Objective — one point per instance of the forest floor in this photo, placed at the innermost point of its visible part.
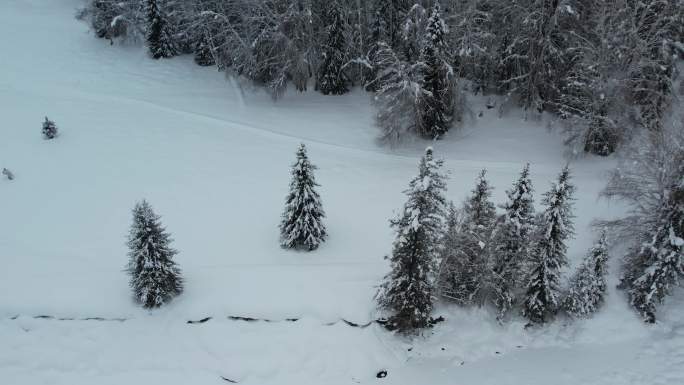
(214, 161)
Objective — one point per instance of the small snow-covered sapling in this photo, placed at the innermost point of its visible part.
(7, 173)
(49, 129)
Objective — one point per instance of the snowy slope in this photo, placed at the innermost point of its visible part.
(214, 162)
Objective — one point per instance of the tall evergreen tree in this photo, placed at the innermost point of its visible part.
(475, 34)
(331, 77)
(203, 55)
(302, 224)
(397, 96)
(540, 49)
(651, 182)
(511, 240)
(159, 38)
(479, 210)
(590, 91)
(652, 26)
(588, 284)
(155, 277)
(464, 269)
(407, 290)
(554, 228)
(436, 102)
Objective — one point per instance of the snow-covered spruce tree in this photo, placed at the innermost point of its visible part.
(49, 129)
(555, 226)
(479, 210)
(203, 55)
(330, 77)
(651, 26)
(588, 285)
(651, 181)
(112, 19)
(473, 31)
(379, 35)
(396, 99)
(589, 97)
(436, 100)
(158, 35)
(464, 268)
(407, 291)
(540, 49)
(510, 244)
(155, 277)
(8, 174)
(273, 43)
(302, 224)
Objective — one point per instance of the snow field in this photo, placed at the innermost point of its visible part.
(214, 163)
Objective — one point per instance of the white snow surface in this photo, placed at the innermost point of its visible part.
(214, 161)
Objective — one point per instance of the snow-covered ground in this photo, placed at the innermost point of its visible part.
(214, 162)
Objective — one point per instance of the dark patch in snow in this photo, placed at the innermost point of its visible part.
(381, 374)
(228, 380)
(203, 320)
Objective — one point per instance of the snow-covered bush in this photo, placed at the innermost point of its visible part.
(49, 129)
(8, 174)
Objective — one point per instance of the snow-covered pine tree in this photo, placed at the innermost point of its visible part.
(464, 267)
(436, 99)
(411, 32)
(158, 36)
(651, 181)
(8, 174)
(203, 55)
(652, 27)
(302, 224)
(379, 35)
(49, 129)
(590, 90)
(479, 210)
(397, 97)
(330, 77)
(102, 12)
(540, 49)
(547, 258)
(407, 291)
(474, 34)
(588, 284)
(511, 242)
(452, 262)
(392, 14)
(155, 277)
(112, 19)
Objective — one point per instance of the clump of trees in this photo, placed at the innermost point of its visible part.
(473, 256)
(605, 67)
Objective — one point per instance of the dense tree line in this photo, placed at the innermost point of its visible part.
(605, 67)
